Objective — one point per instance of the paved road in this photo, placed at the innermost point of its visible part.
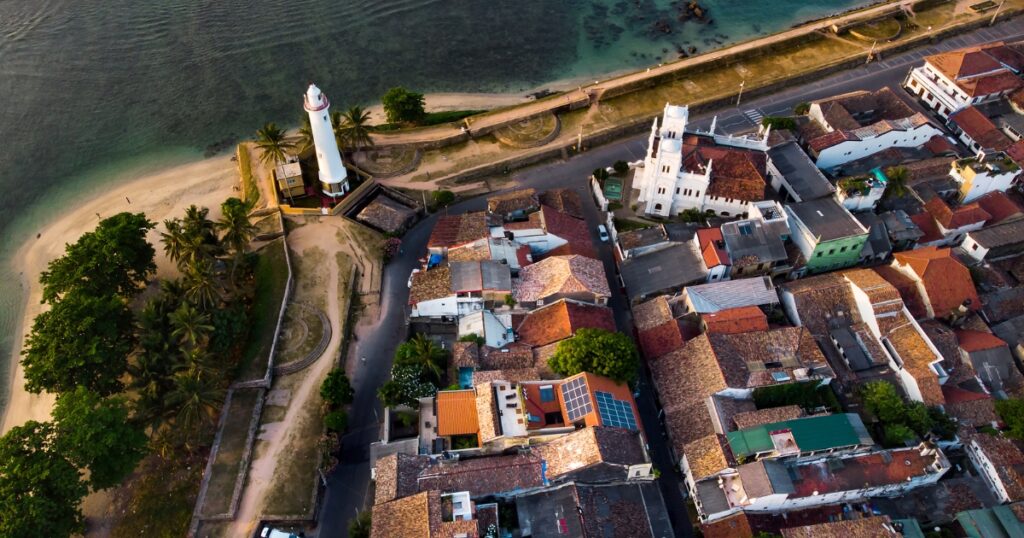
(347, 486)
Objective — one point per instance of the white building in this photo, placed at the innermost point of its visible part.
(950, 81)
(999, 462)
(333, 176)
(680, 171)
(495, 329)
(860, 193)
(983, 174)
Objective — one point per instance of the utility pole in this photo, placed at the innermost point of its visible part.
(740, 95)
(871, 52)
(996, 14)
(579, 140)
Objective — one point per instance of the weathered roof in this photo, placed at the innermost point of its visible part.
(512, 201)
(749, 360)
(650, 314)
(561, 275)
(751, 242)
(811, 434)
(865, 527)
(1007, 462)
(800, 172)
(1001, 521)
(386, 214)
(431, 284)
(735, 173)
(911, 346)
(827, 219)
(591, 446)
(416, 516)
(999, 206)
(707, 456)
(749, 419)
(643, 237)
(563, 200)
(560, 320)
(952, 219)
(667, 269)
(947, 282)
(661, 339)
(859, 108)
(480, 276)
(712, 247)
(1000, 235)
(735, 320)
(976, 125)
(723, 295)
(569, 228)
(454, 230)
(980, 70)
(820, 298)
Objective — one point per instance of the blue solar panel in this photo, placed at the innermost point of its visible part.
(577, 399)
(615, 413)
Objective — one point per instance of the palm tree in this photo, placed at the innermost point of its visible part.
(350, 128)
(273, 144)
(424, 353)
(897, 184)
(198, 363)
(173, 239)
(190, 326)
(196, 400)
(197, 222)
(238, 229)
(200, 285)
(304, 140)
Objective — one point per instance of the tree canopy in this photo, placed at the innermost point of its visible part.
(405, 387)
(422, 353)
(39, 488)
(597, 351)
(114, 258)
(900, 420)
(1012, 413)
(336, 389)
(83, 340)
(403, 106)
(94, 433)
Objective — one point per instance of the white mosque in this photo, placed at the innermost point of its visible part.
(333, 176)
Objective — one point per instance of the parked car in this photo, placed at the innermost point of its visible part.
(602, 232)
(414, 271)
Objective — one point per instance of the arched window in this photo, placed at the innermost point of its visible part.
(657, 207)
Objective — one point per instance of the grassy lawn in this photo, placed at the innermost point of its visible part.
(233, 441)
(526, 133)
(627, 225)
(296, 469)
(249, 188)
(162, 497)
(271, 279)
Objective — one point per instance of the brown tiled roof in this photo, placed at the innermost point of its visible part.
(938, 145)
(650, 314)
(736, 320)
(456, 412)
(1007, 460)
(866, 527)
(661, 339)
(591, 446)
(952, 219)
(478, 476)
(736, 174)
(767, 416)
(561, 275)
(535, 221)
(907, 288)
(999, 206)
(488, 419)
(386, 214)
(926, 223)
(570, 228)
(512, 375)
(432, 284)
(971, 341)
(564, 201)
(917, 357)
(509, 202)
(707, 456)
(465, 355)
(477, 251)
(684, 379)
(981, 129)
(819, 298)
(928, 169)
(971, 410)
(417, 516)
(884, 296)
(1016, 150)
(454, 230)
(560, 320)
(830, 139)
(947, 282)
(979, 70)
(514, 356)
(734, 526)
(746, 359)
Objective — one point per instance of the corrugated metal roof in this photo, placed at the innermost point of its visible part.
(811, 434)
(709, 298)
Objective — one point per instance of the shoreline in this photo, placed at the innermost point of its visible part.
(160, 195)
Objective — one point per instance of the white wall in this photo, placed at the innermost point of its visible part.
(973, 249)
(987, 470)
(852, 150)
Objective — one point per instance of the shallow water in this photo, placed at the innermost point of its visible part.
(93, 89)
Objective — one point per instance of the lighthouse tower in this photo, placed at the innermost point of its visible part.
(333, 176)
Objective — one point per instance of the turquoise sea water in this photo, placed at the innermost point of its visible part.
(92, 91)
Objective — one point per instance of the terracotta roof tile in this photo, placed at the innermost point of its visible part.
(563, 200)
(979, 70)
(981, 129)
(684, 379)
(734, 526)
(573, 230)
(907, 287)
(457, 412)
(432, 284)
(1016, 150)
(514, 375)
(736, 320)
(1008, 461)
(999, 206)
(867, 527)
(912, 348)
(661, 339)
(947, 282)
(707, 456)
(767, 416)
(926, 222)
(978, 340)
(969, 413)
(749, 360)
(712, 247)
(560, 320)
(830, 139)
(939, 145)
(514, 356)
(952, 219)
(512, 201)
(735, 173)
(820, 298)
(561, 275)
(591, 446)
(465, 355)
(416, 516)
(454, 230)
(652, 313)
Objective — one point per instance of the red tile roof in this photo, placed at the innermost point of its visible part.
(938, 145)
(828, 140)
(736, 320)
(860, 472)
(981, 129)
(978, 340)
(947, 282)
(1007, 461)
(1016, 151)
(907, 287)
(560, 320)
(999, 206)
(710, 240)
(453, 230)
(926, 222)
(661, 339)
(956, 395)
(952, 219)
(735, 173)
(563, 200)
(567, 227)
(980, 70)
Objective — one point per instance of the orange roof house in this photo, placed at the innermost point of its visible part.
(560, 320)
(944, 282)
(735, 320)
(456, 413)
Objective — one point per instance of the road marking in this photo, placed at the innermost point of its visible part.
(754, 115)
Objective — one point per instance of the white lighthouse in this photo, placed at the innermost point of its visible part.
(333, 176)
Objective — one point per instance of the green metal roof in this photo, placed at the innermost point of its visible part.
(810, 433)
(995, 522)
(911, 528)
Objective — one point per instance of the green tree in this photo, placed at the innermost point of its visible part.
(621, 167)
(304, 140)
(273, 144)
(897, 184)
(403, 106)
(443, 198)
(359, 526)
(174, 240)
(336, 388)
(802, 108)
(238, 230)
(83, 340)
(189, 325)
(114, 258)
(194, 401)
(882, 401)
(424, 354)
(351, 128)
(600, 174)
(896, 434)
(776, 122)
(1011, 412)
(405, 387)
(336, 421)
(597, 351)
(201, 286)
(39, 488)
(94, 433)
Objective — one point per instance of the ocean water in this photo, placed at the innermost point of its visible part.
(92, 91)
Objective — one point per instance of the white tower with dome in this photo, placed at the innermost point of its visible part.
(333, 176)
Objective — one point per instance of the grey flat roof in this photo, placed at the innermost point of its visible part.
(672, 267)
(762, 241)
(496, 276)
(827, 219)
(609, 509)
(477, 276)
(717, 296)
(712, 498)
(854, 354)
(800, 172)
(1002, 234)
(878, 237)
(899, 226)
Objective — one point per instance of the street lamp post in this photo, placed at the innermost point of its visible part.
(996, 14)
(739, 96)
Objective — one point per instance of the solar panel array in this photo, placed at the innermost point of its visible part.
(615, 413)
(577, 399)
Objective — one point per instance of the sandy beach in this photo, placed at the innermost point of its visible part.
(161, 195)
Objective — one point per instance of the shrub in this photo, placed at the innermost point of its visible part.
(597, 351)
(336, 421)
(776, 122)
(443, 198)
(621, 167)
(806, 394)
(403, 106)
(336, 388)
(802, 108)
